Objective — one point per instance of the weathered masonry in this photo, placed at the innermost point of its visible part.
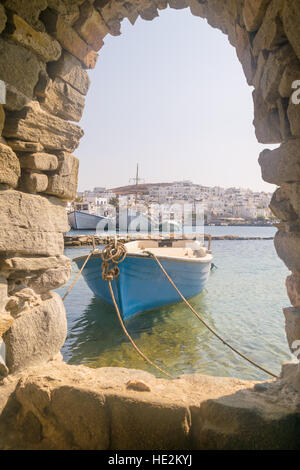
(46, 48)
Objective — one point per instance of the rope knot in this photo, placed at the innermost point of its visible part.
(112, 254)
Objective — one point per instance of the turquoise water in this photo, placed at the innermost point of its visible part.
(243, 301)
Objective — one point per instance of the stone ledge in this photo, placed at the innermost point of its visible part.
(74, 407)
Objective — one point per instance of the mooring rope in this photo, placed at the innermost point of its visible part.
(113, 254)
(206, 324)
(82, 268)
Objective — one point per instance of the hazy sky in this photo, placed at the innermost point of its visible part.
(171, 95)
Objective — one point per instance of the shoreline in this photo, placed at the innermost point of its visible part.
(86, 240)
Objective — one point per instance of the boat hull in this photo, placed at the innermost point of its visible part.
(142, 286)
(84, 221)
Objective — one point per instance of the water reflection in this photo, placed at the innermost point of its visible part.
(171, 336)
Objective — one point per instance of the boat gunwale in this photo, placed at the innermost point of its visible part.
(204, 259)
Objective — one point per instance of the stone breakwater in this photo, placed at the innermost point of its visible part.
(85, 240)
(46, 47)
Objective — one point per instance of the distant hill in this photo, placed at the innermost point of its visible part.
(140, 188)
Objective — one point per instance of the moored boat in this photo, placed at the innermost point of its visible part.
(141, 285)
(80, 220)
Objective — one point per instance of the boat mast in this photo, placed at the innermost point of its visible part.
(137, 180)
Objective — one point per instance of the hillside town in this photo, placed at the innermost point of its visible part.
(221, 206)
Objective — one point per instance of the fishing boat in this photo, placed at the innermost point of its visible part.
(80, 220)
(141, 285)
(130, 220)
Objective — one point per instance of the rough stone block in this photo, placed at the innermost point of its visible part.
(63, 100)
(132, 13)
(69, 39)
(50, 279)
(197, 9)
(243, 50)
(6, 320)
(32, 212)
(34, 182)
(91, 26)
(37, 336)
(291, 21)
(80, 415)
(67, 9)
(149, 13)
(39, 161)
(178, 4)
(290, 75)
(113, 14)
(266, 121)
(292, 325)
(9, 166)
(261, 62)
(19, 67)
(30, 11)
(31, 224)
(3, 18)
(167, 426)
(69, 69)
(33, 123)
(85, 417)
(281, 205)
(15, 100)
(287, 245)
(293, 113)
(273, 71)
(3, 293)
(22, 299)
(163, 4)
(63, 184)
(271, 34)
(245, 420)
(47, 48)
(294, 195)
(21, 146)
(15, 266)
(281, 165)
(293, 288)
(2, 118)
(253, 13)
(284, 124)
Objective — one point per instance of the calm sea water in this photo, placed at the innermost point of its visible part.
(243, 301)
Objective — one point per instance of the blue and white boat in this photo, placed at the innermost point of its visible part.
(141, 285)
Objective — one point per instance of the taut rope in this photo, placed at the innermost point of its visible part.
(204, 322)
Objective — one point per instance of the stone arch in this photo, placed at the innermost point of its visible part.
(45, 49)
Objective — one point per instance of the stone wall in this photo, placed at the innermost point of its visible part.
(46, 48)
